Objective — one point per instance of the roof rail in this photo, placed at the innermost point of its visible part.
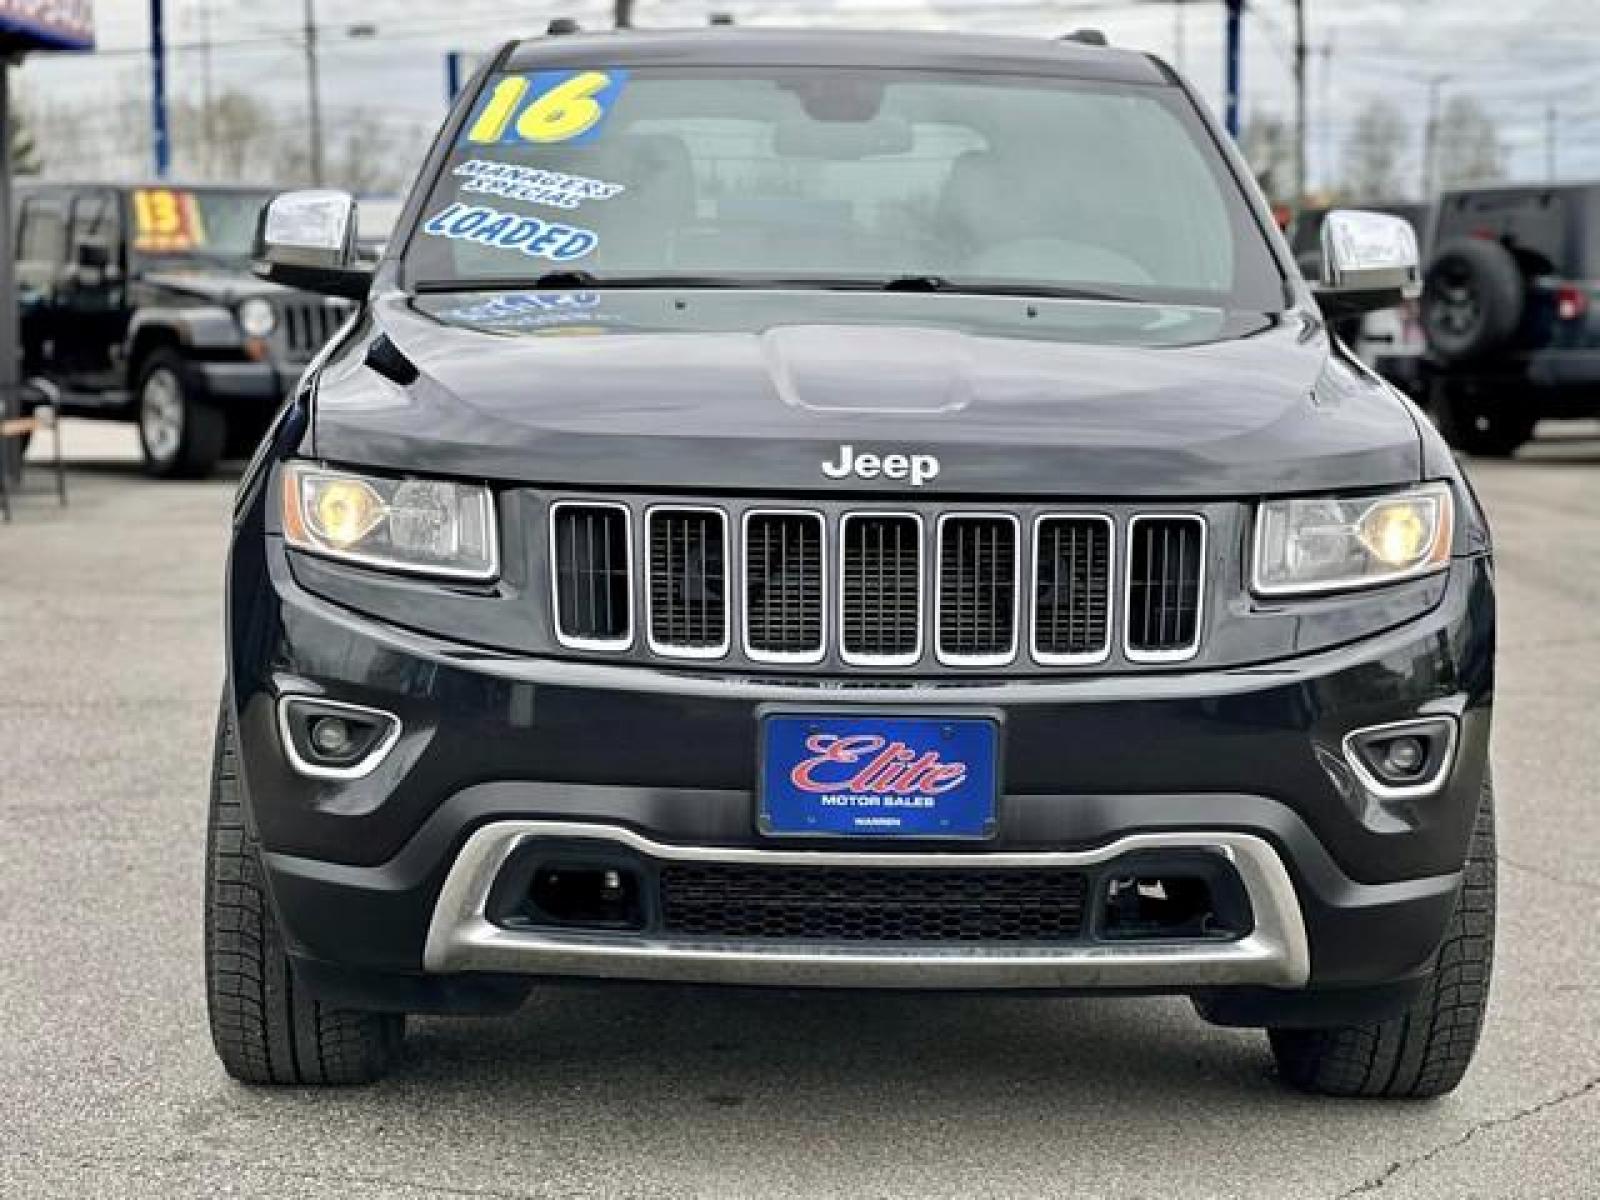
(561, 26)
(1088, 37)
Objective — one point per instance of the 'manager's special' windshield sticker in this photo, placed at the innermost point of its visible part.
(507, 231)
(544, 108)
(511, 181)
(166, 221)
(530, 311)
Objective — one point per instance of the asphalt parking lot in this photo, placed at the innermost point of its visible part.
(110, 664)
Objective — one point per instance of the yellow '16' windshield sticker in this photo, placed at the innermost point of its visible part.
(545, 108)
(166, 221)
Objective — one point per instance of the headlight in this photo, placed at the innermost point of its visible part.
(258, 318)
(1325, 543)
(423, 526)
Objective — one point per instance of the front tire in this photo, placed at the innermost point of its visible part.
(182, 436)
(1425, 1051)
(265, 1025)
(1475, 426)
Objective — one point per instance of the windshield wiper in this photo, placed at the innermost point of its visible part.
(574, 279)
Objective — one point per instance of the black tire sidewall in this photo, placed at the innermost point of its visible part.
(201, 438)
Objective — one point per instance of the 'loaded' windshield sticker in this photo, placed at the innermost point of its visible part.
(508, 231)
(532, 185)
(545, 108)
(166, 221)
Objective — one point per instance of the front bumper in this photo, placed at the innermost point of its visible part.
(383, 878)
(255, 383)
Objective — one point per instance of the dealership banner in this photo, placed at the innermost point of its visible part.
(47, 24)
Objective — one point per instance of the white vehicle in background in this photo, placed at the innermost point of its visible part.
(376, 219)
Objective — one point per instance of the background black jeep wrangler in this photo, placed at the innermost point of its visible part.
(1511, 309)
(138, 302)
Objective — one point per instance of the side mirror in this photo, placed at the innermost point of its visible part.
(307, 240)
(1369, 262)
(93, 256)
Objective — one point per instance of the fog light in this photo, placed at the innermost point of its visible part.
(1405, 756)
(327, 739)
(1405, 760)
(331, 736)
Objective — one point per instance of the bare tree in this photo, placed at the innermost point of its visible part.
(24, 149)
(1467, 144)
(1374, 153)
(231, 138)
(1267, 144)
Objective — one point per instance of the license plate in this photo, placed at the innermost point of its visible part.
(863, 776)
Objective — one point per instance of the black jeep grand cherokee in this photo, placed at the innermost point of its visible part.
(860, 512)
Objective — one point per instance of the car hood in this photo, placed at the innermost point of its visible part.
(212, 287)
(753, 391)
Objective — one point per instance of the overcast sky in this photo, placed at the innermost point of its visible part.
(1522, 58)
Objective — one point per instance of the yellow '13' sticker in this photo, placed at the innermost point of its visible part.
(166, 221)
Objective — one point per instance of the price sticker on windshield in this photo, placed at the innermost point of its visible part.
(545, 108)
(166, 221)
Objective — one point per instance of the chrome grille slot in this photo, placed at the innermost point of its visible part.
(784, 605)
(880, 589)
(590, 546)
(977, 597)
(688, 582)
(1073, 565)
(305, 325)
(1166, 562)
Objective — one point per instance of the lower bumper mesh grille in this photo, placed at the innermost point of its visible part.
(873, 905)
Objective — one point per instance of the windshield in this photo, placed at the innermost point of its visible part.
(728, 175)
(178, 223)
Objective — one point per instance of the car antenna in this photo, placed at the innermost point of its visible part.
(1088, 37)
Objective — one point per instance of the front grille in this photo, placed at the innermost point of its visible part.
(783, 586)
(977, 597)
(590, 548)
(1165, 560)
(1072, 589)
(862, 904)
(305, 325)
(688, 582)
(825, 588)
(881, 589)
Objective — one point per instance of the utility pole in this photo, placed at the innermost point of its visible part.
(1300, 102)
(1231, 69)
(159, 139)
(1177, 34)
(623, 13)
(313, 92)
(207, 117)
(1430, 135)
(1550, 120)
(1325, 107)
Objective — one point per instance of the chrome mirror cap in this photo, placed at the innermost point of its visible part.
(1369, 252)
(311, 229)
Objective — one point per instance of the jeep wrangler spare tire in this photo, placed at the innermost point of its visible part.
(1472, 299)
